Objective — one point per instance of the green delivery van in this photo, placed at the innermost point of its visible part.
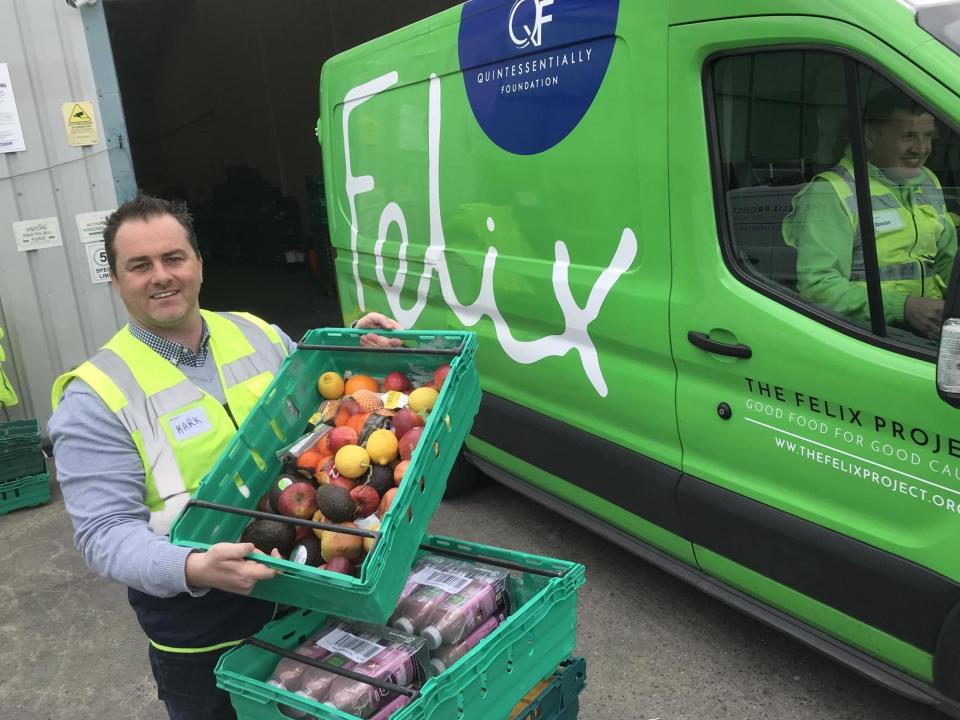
(708, 249)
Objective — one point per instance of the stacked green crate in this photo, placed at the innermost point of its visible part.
(23, 478)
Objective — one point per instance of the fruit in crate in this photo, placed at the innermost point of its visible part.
(341, 437)
(307, 551)
(422, 399)
(367, 500)
(308, 460)
(356, 423)
(377, 420)
(382, 446)
(330, 385)
(263, 504)
(352, 461)
(399, 470)
(386, 502)
(346, 408)
(368, 542)
(439, 375)
(283, 481)
(343, 481)
(367, 400)
(381, 478)
(304, 532)
(297, 500)
(340, 564)
(408, 443)
(361, 382)
(319, 517)
(335, 503)
(269, 534)
(334, 544)
(405, 419)
(397, 381)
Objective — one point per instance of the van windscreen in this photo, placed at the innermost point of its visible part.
(943, 22)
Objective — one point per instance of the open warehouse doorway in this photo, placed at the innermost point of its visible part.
(221, 99)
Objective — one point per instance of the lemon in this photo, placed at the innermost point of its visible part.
(330, 385)
(422, 399)
(352, 461)
(382, 446)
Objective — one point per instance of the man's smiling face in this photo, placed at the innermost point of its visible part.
(158, 274)
(901, 145)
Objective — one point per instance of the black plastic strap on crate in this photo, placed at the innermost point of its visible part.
(260, 515)
(359, 677)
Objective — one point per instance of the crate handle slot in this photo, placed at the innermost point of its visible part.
(360, 677)
(395, 350)
(506, 564)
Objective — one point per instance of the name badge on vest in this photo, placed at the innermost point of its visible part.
(189, 424)
(885, 221)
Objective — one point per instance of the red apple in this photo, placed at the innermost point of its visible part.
(303, 532)
(344, 482)
(397, 381)
(298, 500)
(341, 436)
(404, 420)
(367, 500)
(387, 501)
(399, 470)
(439, 375)
(409, 442)
(283, 481)
(339, 564)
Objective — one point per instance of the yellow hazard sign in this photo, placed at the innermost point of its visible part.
(80, 123)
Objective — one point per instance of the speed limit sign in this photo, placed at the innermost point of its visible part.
(97, 257)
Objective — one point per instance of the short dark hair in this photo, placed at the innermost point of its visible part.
(144, 207)
(881, 107)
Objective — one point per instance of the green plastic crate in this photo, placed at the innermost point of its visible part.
(24, 492)
(249, 464)
(14, 468)
(560, 699)
(485, 684)
(20, 453)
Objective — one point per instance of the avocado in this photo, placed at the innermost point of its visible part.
(381, 479)
(269, 534)
(307, 552)
(335, 503)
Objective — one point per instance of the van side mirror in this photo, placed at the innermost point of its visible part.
(948, 362)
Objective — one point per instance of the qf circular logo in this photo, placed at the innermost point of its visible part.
(528, 35)
(531, 68)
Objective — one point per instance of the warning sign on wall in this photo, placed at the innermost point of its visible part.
(97, 257)
(80, 123)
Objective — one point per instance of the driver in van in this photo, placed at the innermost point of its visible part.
(915, 237)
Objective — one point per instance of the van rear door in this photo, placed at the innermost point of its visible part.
(821, 471)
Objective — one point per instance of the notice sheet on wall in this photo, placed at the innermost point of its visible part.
(11, 134)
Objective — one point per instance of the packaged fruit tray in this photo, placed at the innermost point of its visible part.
(485, 684)
(252, 470)
(24, 492)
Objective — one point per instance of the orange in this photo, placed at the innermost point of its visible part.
(357, 420)
(361, 382)
(323, 444)
(308, 460)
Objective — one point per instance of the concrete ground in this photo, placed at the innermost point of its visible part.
(70, 647)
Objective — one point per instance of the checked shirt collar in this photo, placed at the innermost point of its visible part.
(173, 352)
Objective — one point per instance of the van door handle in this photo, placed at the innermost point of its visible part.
(703, 341)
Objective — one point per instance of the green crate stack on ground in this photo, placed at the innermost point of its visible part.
(23, 478)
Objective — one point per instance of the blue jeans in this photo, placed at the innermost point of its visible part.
(187, 686)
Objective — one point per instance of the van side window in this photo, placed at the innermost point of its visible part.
(788, 181)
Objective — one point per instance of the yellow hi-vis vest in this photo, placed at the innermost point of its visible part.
(7, 396)
(178, 429)
(906, 237)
